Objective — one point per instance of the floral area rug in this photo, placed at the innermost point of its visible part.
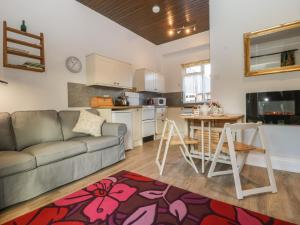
(130, 199)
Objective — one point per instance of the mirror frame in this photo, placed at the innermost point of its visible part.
(247, 53)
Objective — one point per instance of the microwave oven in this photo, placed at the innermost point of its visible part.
(159, 101)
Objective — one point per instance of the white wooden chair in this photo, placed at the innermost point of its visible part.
(231, 147)
(171, 136)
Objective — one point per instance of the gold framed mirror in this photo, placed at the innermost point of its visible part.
(273, 50)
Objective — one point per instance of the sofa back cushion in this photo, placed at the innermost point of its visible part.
(68, 121)
(7, 142)
(35, 127)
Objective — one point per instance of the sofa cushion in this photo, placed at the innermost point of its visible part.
(68, 121)
(98, 143)
(12, 162)
(89, 123)
(35, 127)
(50, 152)
(6, 133)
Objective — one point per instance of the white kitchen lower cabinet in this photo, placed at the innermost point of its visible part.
(140, 122)
(137, 127)
(133, 120)
(126, 117)
(160, 116)
(159, 128)
(148, 128)
(148, 122)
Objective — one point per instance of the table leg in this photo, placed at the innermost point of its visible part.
(202, 145)
(188, 127)
(209, 140)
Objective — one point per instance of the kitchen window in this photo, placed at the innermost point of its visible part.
(196, 82)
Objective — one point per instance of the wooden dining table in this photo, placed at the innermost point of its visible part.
(207, 123)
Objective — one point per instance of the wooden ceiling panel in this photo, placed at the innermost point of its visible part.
(137, 16)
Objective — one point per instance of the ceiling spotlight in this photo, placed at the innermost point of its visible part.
(183, 29)
(156, 9)
(171, 32)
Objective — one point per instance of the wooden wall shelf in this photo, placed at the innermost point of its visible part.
(7, 51)
(12, 40)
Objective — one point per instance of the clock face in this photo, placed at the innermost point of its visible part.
(73, 64)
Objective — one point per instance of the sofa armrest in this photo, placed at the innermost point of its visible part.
(114, 129)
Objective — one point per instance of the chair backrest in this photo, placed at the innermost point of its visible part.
(243, 126)
(234, 132)
(170, 126)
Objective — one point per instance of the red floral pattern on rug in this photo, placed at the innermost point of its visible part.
(131, 199)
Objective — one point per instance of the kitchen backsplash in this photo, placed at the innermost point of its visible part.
(145, 95)
(174, 99)
(79, 94)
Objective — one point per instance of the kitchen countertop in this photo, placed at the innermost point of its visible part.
(119, 107)
(128, 107)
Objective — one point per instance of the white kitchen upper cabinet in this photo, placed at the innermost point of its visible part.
(160, 83)
(147, 80)
(105, 71)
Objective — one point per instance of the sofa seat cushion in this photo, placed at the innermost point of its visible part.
(98, 143)
(50, 152)
(12, 162)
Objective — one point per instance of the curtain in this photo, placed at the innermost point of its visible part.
(196, 82)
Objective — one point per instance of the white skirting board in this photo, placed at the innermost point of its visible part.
(278, 162)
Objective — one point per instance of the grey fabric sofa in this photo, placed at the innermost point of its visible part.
(39, 152)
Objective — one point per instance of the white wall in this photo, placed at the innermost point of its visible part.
(175, 53)
(70, 29)
(228, 21)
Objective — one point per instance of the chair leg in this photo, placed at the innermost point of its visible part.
(211, 172)
(270, 172)
(161, 141)
(235, 169)
(162, 165)
(185, 152)
(268, 160)
(243, 161)
(203, 161)
(187, 156)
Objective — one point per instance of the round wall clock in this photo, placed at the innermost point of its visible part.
(73, 64)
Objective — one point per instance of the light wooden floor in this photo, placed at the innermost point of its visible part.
(283, 205)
